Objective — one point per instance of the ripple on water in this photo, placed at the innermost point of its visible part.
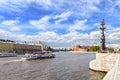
(66, 66)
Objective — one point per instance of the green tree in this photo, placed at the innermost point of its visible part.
(111, 49)
(49, 48)
(70, 49)
(95, 48)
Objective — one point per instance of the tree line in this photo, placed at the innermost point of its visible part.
(3, 40)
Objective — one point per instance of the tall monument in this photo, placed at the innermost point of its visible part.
(102, 28)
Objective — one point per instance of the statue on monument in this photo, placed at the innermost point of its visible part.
(102, 28)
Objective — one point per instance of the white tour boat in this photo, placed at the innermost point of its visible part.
(38, 55)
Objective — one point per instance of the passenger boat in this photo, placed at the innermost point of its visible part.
(38, 55)
(7, 54)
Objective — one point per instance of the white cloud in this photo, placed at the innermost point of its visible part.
(41, 23)
(79, 25)
(62, 17)
(60, 20)
(116, 46)
(13, 5)
(4, 34)
(70, 39)
(80, 7)
(65, 40)
(20, 5)
(96, 24)
(10, 22)
(13, 36)
(48, 36)
(15, 28)
(44, 3)
(114, 34)
(37, 24)
(95, 35)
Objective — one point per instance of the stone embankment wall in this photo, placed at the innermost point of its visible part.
(103, 62)
(19, 47)
(114, 73)
(109, 63)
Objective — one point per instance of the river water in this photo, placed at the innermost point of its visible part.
(66, 66)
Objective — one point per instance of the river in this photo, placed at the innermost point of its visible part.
(66, 66)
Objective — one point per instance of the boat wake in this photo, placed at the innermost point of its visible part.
(9, 61)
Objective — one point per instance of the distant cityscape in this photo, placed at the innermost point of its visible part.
(93, 49)
(21, 48)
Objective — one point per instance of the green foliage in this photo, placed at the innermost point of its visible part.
(111, 49)
(95, 48)
(70, 49)
(49, 48)
(2, 40)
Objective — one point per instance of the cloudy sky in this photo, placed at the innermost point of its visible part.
(60, 23)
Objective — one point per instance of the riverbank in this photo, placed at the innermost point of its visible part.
(106, 63)
(82, 52)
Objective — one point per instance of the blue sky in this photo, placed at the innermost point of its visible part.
(60, 23)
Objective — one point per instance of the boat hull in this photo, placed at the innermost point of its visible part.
(43, 57)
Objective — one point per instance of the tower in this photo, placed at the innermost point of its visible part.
(102, 28)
